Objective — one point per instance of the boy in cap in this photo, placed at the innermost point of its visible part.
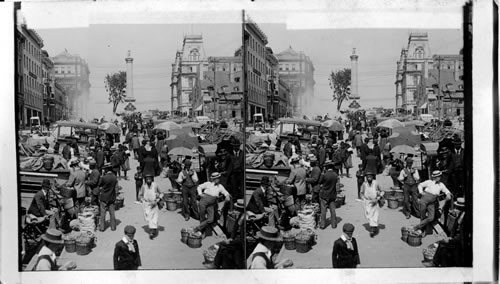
(126, 255)
(345, 249)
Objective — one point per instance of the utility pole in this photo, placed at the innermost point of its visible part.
(215, 92)
(245, 83)
(439, 88)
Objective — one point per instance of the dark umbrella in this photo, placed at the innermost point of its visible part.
(110, 128)
(405, 136)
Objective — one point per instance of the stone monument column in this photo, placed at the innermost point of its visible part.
(354, 75)
(130, 78)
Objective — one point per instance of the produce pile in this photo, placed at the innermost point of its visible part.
(210, 253)
(430, 251)
(305, 219)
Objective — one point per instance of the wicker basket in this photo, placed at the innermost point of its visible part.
(302, 246)
(340, 200)
(171, 204)
(82, 248)
(392, 202)
(414, 239)
(119, 203)
(70, 246)
(194, 240)
(289, 242)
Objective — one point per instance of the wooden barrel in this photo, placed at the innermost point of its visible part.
(340, 200)
(414, 239)
(194, 240)
(171, 204)
(404, 234)
(184, 235)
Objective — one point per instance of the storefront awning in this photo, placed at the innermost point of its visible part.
(431, 97)
(424, 106)
(199, 108)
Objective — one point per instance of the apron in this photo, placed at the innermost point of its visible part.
(149, 205)
(371, 210)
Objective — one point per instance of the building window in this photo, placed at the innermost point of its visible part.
(419, 53)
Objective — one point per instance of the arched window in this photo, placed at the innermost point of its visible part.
(419, 53)
(194, 55)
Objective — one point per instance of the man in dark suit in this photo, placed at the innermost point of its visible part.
(363, 151)
(313, 179)
(99, 158)
(107, 198)
(321, 155)
(238, 160)
(458, 171)
(345, 249)
(93, 182)
(259, 204)
(40, 206)
(327, 195)
(126, 255)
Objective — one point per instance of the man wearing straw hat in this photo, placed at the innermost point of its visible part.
(264, 254)
(208, 193)
(52, 246)
(430, 190)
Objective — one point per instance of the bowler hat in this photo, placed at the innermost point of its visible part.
(265, 180)
(409, 160)
(129, 229)
(370, 173)
(187, 163)
(74, 163)
(436, 173)
(53, 236)
(457, 140)
(269, 233)
(348, 228)
(215, 175)
(46, 183)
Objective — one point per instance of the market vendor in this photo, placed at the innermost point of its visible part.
(259, 204)
(430, 190)
(208, 193)
(52, 246)
(77, 180)
(265, 253)
(188, 179)
(298, 178)
(40, 206)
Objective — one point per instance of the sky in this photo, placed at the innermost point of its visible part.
(153, 47)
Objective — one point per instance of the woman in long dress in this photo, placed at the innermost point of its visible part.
(149, 196)
(371, 192)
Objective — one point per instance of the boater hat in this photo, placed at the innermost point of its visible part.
(460, 203)
(240, 204)
(53, 236)
(270, 234)
(436, 174)
(215, 175)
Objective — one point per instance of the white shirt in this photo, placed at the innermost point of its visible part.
(212, 189)
(432, 187)
(259, 262)
(347, 241)
(44, 265)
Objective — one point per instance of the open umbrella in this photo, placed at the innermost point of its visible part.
(182, 139)
(415, 123)
(391, 123)
(110, 128)
(181, 151)
(168, 125)
(333, 125)
(404, 149)
(405, 136)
